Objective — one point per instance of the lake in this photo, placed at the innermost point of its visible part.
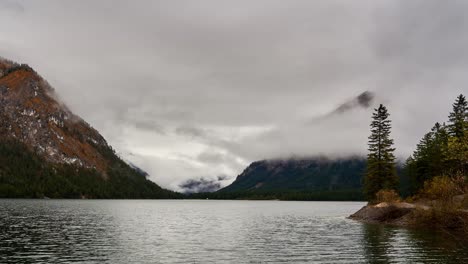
(206, 231)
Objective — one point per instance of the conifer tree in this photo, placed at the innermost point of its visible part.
(458, 142)
(381, 172)
(458, 118)
(430, 156)
(439, 149)
(410, 172)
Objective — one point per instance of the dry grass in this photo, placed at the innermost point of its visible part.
(442, 188)
(387, 196)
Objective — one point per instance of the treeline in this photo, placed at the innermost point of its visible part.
(284, 195)
(24, 174)
(17, 67)
(435, 174)
(442, 152)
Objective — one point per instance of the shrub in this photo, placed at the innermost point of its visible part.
(442, 188)
(388, 196)
(411, 199)
(444, 211)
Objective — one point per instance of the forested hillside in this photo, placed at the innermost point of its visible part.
(297, 179)
(300, 174)
(24, 174)
(47, 151)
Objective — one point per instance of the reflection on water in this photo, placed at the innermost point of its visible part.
(376, 242)
(384, 244)
(65, 231)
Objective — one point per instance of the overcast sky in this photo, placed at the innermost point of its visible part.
(199, 89)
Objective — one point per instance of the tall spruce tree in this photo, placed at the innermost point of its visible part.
(381, 171)
(458, 118)
(458, 142)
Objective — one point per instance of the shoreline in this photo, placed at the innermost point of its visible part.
(409, 215)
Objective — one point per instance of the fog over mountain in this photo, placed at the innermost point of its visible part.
(190, 90)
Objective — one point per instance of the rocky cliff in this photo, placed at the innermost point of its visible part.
(31, 113)
(34, 122)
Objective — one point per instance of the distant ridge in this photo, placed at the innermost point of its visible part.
(314, 174)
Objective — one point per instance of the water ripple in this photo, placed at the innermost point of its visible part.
(70, 231)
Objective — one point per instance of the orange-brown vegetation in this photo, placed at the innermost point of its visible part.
(66, 133)
(444, 197)
(387, 196)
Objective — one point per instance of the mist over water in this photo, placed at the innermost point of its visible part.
(113, 231)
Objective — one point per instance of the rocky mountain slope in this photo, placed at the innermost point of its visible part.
(35, 126)
(31, 114)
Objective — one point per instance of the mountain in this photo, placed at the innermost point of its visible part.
(319, 174)
(298, 179)
(47, 151)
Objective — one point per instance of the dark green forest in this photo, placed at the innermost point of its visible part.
(301, 175)
(284, 195)
(297, 179)
(23, 174)
(443, 151)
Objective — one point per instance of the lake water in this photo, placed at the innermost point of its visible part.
(192, 231)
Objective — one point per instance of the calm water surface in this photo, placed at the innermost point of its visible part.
(191, 231)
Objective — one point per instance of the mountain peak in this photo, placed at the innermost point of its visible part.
(31, 113)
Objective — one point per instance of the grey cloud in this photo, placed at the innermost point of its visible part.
(151, 126)
(212, 157)
(11, 5)
(199, 89)
(223, 177)
(190, 131)
(426, 35)
(200, 185)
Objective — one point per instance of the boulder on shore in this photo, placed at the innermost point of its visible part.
(453, 219)
(387, 213)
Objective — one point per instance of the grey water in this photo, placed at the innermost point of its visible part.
(199, 231)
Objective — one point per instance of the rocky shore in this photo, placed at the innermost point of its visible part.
(387, 213)
(407, 215)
